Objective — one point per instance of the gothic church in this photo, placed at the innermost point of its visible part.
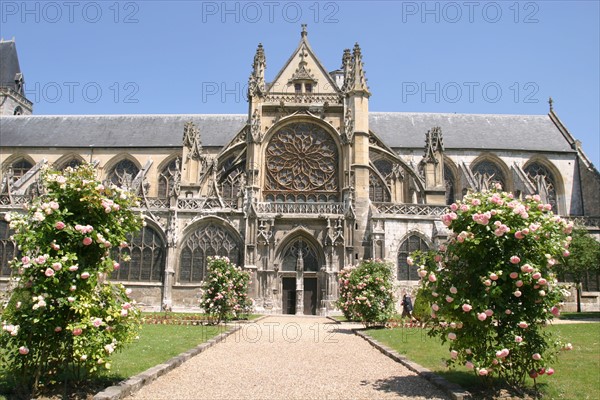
(309, 181)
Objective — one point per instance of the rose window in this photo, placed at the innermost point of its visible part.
(301, 158)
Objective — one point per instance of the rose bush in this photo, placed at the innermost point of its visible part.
(63, 317)
(492, 287)
(225, 291)
(366, 292)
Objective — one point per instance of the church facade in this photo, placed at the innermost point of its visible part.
(307, 182)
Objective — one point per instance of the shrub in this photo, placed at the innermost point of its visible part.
(492, 288)
(63, 317)
(366, 292)
(422, 307)
(225, 291)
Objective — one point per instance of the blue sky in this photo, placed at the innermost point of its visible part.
(176, 57)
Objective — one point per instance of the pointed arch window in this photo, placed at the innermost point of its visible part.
(405, 271)
(8, 249)
(20, 168)
(300, 249)
(378, 191)
(73, 162)
(123, 173)
(206, 241)
(450, 184)
(167, 179)
(544, 182)
(147, 251)
(488, 174)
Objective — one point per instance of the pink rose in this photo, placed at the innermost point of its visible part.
(49, 272)
(85, 275)
(523, 324)
(432, 277)
(483, 372)
(536, 356)
(435, 307)
(469, 365)
(542, 281)
(77, 331)
(449, 299)
(56, 266)
(550, 371)
(87, 241)
(487, 282)
(517, 293)
(23, 350)
(454, 354)
(533, 374)
(467, 307)
(566, 253)
(60, 225)
(515, 260)
(489, 312)
(518, 339)
(73, 268)
(71, 299)
(116, 266)
(493, 277)
(453, 290)
(422, 273)
(57, 329)
(555, 311)
(536, 275)
(508, 312)
(514, 275)
(482, 316)
(519, 283)
(519, 235)
(452, 336)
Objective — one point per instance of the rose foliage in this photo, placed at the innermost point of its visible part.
(366, 292)
(225, 291)
(63, 317)
(493, 287)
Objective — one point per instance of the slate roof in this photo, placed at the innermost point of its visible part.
(470, 131)
(115, 130)
(9, 64)
(397, 130)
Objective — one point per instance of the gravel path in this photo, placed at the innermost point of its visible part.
(284, 357)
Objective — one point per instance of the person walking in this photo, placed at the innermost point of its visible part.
(407, 306)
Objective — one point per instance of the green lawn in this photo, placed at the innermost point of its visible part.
(156, 344)
(577, 372)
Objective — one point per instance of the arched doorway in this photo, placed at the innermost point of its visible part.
(300, 284)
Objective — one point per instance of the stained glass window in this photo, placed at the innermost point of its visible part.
(487, 174)
(544, 182)
(166, 179)
(206, 241)
(147, 251)
(301, 158)
(123, 173)
(405, 271)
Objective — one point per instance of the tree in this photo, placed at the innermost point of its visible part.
(584, 258)
(492, 287)
(64, 318)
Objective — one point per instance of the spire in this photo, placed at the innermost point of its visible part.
(358, 81)
(434, 143)
(551, 104)
(304, 33)
(347, 69)
(256, 83)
